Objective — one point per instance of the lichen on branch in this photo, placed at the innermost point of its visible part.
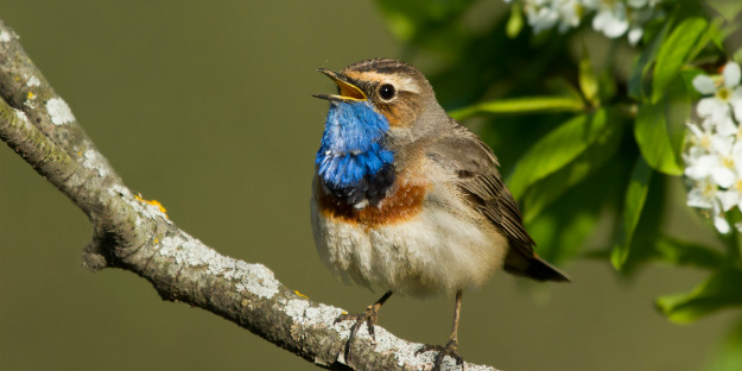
(134, 234)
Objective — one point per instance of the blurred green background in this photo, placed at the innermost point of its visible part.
(207, 108)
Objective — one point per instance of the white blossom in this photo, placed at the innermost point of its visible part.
(706, 195)
(541, 14)
(611, 19)
(545, 14)
(727, 94)
(614, 18)
(713, 156)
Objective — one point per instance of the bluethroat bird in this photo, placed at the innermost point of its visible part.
(407, 200)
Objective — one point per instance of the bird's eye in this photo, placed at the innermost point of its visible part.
(386, 92)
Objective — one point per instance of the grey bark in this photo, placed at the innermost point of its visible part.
(136, 235)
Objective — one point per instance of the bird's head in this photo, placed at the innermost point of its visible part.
(394, 89)
(381, 106)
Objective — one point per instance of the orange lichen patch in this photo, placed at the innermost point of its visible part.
(402, 205)
(152, 202)
(300, 294)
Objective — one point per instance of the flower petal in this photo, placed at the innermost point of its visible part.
(612, 22)
(704, 84)
(721, 224)
(723, 176)
(725, 126)
(590, 4)
(702, 167)
(696, 199)
(731, 74)
(616, 27)
(694, 153)
(543, 19)
(694, 128)
(635, 34)
(737, 156)
(728, 199)
(736, 102)
(600, 20)
(722, 145)
(708, 124)
(712, 107)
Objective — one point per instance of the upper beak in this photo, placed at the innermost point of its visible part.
(348, 91)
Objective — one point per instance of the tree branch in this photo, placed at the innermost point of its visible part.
(136, 235)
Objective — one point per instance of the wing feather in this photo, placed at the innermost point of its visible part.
(476, 174)
(474, 168)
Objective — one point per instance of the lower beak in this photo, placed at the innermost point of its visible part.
(348, 91)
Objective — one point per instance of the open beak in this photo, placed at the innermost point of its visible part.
(348, 91)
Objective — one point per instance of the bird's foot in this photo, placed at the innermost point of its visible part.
(451, 349)
(368, 317)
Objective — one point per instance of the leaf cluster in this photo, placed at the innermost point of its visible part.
(590, 130)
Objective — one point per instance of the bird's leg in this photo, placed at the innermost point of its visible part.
(369, 317)
(451, 348)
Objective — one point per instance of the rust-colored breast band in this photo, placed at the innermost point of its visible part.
(405, 203)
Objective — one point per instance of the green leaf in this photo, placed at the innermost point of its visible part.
(678, 106)
(560, 235)
(643, 62)
(527, 105)
(515, 22)
(682, 253)
(563, 227)
(710, 34)
(560, 86)
(652, 135)
(673, 53)
(588, 81)
(636, 195)
(608, 86)
(557, 149)
(719, 291)
(547, 190)
(647, 231)
(729, 357)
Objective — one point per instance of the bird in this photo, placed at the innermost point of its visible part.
(407, 200)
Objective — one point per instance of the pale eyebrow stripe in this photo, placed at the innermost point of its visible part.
(402, 83)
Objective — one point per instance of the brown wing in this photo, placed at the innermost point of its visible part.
(476, 174)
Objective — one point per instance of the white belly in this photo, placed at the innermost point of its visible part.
(434, 252)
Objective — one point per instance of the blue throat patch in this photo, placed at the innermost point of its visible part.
(353, 160)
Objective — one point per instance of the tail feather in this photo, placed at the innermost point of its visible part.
(533, 267)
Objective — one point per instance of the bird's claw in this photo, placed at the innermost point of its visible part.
(369, 318)
(451, 349)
